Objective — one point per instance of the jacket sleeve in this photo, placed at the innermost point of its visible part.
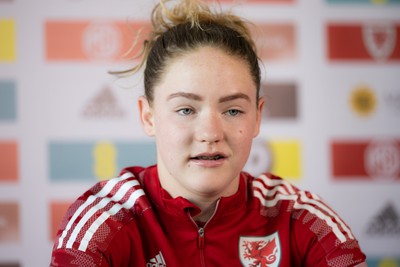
(322, 238)
(68, 249)
(75, 258)
(99, 228)
(124, 249)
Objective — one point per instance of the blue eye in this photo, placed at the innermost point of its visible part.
(234, 112)
(185, 111)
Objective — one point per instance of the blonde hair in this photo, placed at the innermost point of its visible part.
(185, 26)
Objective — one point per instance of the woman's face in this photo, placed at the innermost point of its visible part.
(204, 116)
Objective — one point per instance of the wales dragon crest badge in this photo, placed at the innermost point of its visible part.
(262, 251)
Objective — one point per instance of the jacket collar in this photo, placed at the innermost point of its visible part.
(179, 207)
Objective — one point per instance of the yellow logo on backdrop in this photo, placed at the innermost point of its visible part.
(286, 159)
(388, 263)
(363, 100)
(379, 2)
(7, 43)
(105, 160)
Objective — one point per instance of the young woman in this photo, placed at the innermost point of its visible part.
(196, 207)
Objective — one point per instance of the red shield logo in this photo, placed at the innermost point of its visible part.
(260, 251)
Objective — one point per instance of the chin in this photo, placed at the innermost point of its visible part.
(209, 192)
(210, 187)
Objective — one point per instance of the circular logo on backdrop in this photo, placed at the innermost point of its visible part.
(363, 100)
(102, 40)
(382, 159)
(259, 159)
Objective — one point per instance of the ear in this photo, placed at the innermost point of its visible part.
(146, 116)
(261, 102)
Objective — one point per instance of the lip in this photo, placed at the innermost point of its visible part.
(199, 159)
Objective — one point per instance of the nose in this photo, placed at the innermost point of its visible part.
(209, 128)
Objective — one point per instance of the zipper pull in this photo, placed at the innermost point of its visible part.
(201, 237)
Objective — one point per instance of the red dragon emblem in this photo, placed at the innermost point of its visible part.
(260, 252)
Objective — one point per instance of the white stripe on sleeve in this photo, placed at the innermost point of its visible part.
(117, 197)
(308, 207)
(103, 192)
(105, 215)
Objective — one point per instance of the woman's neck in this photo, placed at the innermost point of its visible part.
(207, 210)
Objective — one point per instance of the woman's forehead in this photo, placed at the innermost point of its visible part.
(207, 65)
(207, 73)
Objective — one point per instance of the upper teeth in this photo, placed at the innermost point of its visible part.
(210, 157)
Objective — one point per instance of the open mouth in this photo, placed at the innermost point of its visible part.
(209, 160)
(208, 157)
(211, 157)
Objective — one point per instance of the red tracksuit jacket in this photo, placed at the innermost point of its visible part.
(132, 221)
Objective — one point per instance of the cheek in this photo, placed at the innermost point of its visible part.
(243, 138)
(171, 136)
(245, 129)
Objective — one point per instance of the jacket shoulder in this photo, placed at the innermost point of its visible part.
(274, 192)
(99, 214)
(314, 221)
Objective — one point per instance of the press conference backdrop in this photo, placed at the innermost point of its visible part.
(331, 79)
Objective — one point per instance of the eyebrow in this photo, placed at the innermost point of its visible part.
(185, 95)
(235, 96)
(199, 98)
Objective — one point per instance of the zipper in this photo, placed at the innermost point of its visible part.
(201, 235)
(201, 246)
(200, 241)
